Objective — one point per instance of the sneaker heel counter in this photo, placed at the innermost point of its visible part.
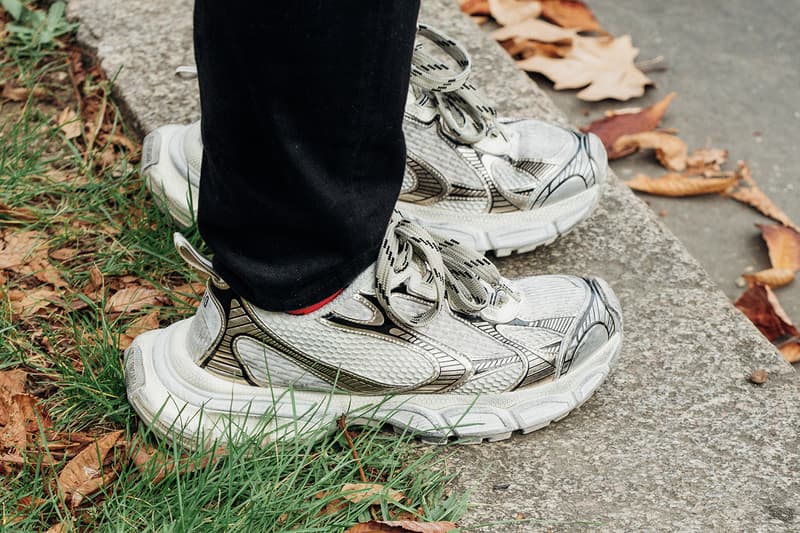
(207, 326)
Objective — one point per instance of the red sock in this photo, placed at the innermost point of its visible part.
(313, 307)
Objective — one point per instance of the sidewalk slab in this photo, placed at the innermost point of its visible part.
(677, 438)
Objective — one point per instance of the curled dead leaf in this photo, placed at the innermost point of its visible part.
(704, 159)
(609, 129)
(748, 192)
(63, 254)
(678, 185)
(508, 12)
(604, 66)
(570, 14)
(671, 151)
(85, 473)
(773, 277)
(402, 526)
(761, 306)
(783, 244)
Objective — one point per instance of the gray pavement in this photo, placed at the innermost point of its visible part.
(676, 438)
(735, 65)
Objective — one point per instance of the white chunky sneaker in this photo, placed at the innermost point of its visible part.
(429, 339)
(494, 184)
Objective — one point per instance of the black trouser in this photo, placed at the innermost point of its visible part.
(302, 108)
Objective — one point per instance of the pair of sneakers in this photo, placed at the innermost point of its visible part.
(430, 338)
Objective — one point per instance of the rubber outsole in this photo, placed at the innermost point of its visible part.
(183, 402)
(503, 234)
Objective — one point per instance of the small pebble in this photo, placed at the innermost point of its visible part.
(662, 213)
(741, 282)
(501, 486)
(759, 377)
(519, 516)
(749, 269)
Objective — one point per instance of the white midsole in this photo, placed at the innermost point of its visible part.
(502, 233)
(181, 400)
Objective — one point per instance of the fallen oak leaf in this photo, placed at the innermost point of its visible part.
(762, 307)
(671, 151)
(677, 185)
(79, 477)
(748, 192)
(509, 12)
(609, 129)
(773, 277)
(535, 30)
(374, 492)
(783, 246)
(604, 66)
(402, 526)
(570, 14)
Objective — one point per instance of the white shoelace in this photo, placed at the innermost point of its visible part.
(466, 115)
(465, 279)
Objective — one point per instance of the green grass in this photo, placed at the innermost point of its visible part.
(80, 199)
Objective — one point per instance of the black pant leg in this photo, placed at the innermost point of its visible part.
(302, 108)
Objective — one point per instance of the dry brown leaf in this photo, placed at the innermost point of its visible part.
(671, 151)
(133, 298)
(61, 527)
(17, 213)
(137, 327)
(15, 94)
(603, 65)
(95, 280)
(374, 492)
(791, 351)
(402, 526)
(535, 30)
(63, 254)
(189, 293)
(570, 14)
(678, 185)
(774, 277)
(28, 303)
(609, 129)
(69, 123)
(23, 417)
(748, 192)
(509, 12)
(19, 247)
(761, 306)
(475, 7)
(80, 476)
(706, 158)
(783, 244)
